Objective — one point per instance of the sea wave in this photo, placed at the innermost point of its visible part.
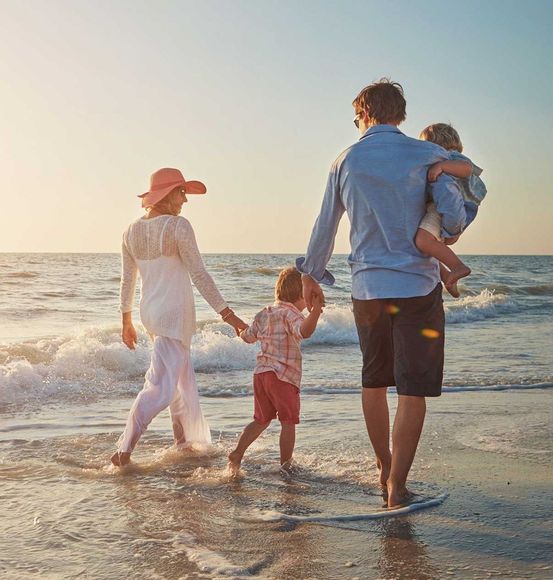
(529, 290)
(487, 304)
(95, 361)
(23, 274)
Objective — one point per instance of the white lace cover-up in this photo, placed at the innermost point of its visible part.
(164, 251)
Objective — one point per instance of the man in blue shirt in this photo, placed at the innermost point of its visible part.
(380, 182)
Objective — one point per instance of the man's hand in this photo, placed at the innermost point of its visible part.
(129, 336)
(434, 172)
(311, 289)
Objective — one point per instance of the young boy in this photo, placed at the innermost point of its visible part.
(428, 239)
(277, 374)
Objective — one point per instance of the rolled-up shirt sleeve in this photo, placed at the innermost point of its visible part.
(324, 231)
(449, 204)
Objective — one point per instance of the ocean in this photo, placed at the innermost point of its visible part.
(67, 382)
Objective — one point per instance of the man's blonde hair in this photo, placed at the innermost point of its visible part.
(288, 287)
(443, 135)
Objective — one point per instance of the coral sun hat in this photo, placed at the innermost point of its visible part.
(163, 181)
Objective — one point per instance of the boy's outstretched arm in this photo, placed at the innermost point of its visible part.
(249, 334)
(308, 326)
(458, 168)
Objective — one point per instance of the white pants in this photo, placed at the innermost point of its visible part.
(169, 382)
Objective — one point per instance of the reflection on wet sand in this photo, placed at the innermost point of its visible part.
(403, 555)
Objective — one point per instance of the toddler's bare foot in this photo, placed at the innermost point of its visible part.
(234, 462)
(453, 277)
(120, 458)
(289, 467)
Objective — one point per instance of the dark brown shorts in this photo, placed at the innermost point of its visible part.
(402, 342)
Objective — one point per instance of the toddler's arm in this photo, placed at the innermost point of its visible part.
(249, 334)
(460, 169)
(308, 326)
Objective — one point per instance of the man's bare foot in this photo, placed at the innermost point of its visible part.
(383, 472)
(234, 462)
(453, 277)
(120, 458)
(398, 496)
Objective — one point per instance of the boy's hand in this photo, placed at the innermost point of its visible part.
(434, 172)
(311, 289)
(318, 303)
(129, 336)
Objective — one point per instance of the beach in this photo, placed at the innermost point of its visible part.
(66, 384)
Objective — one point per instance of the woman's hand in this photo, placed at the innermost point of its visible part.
(237, 323)
(129, 336)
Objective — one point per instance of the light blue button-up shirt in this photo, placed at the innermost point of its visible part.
(380, 182)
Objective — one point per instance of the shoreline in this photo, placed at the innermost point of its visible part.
(179, 514)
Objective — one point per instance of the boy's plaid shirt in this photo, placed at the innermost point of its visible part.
(277, 328)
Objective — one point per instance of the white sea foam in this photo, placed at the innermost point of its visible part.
(336, 326)
(214, 351)
(207, 560)
(424, 503)
(487, 304)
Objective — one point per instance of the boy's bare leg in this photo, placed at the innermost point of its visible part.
(120, 458)
(287, 442)
(405, 439)
(249, 435)
(429, 245)
(377, 420)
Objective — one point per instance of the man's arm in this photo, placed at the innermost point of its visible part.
(322, 240)
(449, 204)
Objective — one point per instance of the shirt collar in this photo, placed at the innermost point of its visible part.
(289, 305)
(380, 129)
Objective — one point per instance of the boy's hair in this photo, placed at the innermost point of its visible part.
(288, 287)
(443, 135)
(383, 101)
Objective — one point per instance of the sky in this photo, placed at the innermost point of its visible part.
(253, 97)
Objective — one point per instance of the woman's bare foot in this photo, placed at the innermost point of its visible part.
(453, 277)
(234, 462)
(120, 458)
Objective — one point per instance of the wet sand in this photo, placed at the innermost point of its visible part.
(176, 514)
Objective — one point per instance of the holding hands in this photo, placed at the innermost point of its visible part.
(237, 323)
(312, 293)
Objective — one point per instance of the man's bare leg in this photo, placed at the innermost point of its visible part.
(377, 420)
(405, 439)
(249, 435)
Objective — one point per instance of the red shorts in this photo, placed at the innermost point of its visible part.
(273, 397)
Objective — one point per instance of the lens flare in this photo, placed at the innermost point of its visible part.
(430, 333)
(392, 309)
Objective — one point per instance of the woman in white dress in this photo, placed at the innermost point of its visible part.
(161, 246)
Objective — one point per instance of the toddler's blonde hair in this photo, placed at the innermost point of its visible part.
(288, 287)
(443, 135)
